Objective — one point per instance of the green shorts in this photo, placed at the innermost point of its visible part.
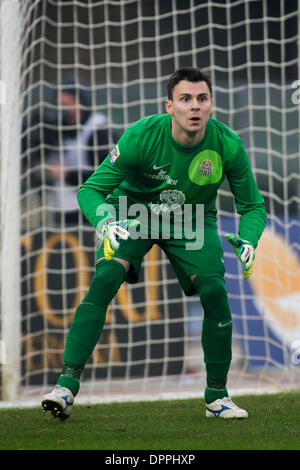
(203, 263)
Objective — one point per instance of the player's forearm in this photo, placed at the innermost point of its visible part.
(90, 202)
(252, 224)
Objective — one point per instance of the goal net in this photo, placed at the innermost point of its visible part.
(89, 69)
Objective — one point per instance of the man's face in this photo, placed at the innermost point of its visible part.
(190, 109)
(69, 103)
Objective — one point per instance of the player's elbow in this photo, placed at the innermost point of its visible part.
(257, 210)
(262, 213)
(81, 195)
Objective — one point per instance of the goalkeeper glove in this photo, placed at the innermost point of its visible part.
(244, 251)
(112, 232)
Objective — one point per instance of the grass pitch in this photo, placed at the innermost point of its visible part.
(273, 424)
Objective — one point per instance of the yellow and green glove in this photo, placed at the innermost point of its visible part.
(244, 251)
(112, 232)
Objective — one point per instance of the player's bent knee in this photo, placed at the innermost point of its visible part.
(107, 280)
(214, 299)
(123, 262)
(213, 287)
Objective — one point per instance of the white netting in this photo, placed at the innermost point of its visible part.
(116, 56)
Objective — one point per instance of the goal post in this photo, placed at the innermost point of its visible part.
(10, 138)
(75, 75)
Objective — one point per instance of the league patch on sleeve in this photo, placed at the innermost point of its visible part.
(114, 154)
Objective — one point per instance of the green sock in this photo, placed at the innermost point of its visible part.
(216, 388)
(212, 394)
(216, 383)
(216, 333)
(88, 322)
(69, 382)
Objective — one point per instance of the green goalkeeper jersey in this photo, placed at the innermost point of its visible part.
(149, 167)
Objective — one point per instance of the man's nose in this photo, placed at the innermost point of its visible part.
(195, 104)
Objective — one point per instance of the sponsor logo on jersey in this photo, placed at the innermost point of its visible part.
(206, 168)
(172, 197)
(160, 176)
(171, 200)
(114, 154)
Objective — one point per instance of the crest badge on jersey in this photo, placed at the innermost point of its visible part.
(114, 154)
(206, 168)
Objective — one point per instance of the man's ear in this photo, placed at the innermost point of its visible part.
(168, 105)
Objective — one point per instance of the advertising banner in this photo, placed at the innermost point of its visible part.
(266, 308)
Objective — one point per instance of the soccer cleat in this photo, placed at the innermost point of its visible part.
(59, 402)
(224, 408)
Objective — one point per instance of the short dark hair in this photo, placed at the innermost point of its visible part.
(191, 74)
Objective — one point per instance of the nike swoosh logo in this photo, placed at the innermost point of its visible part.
(219, 411)
(221, 324)
(159, 167)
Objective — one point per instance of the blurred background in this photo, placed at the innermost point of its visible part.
(124, 52)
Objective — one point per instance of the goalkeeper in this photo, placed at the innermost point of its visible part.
(164, 162)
